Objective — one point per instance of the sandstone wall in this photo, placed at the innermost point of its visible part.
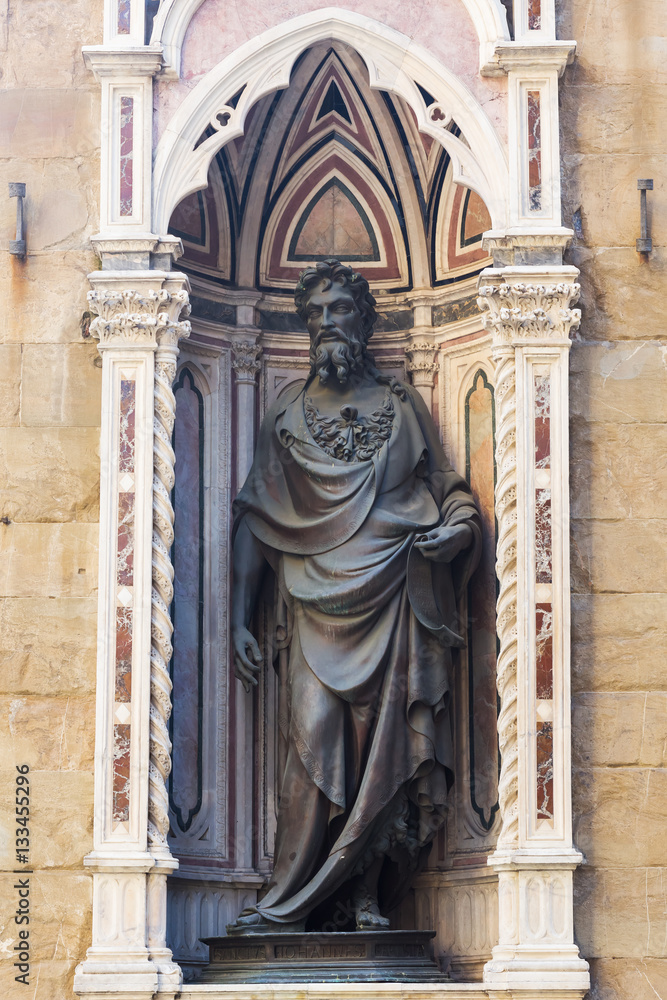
(49, 477)
(614, 122)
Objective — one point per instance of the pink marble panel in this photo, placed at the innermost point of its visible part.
(124, 9)
(543, 535)
(545, 771)
(125, 557)
(127, 425)
(124, 615)
(544, 651)
(121, 773)
(125, 550)
(534, 15)
(126, 154)
(542, 393)
(534, 151)
(123, 655)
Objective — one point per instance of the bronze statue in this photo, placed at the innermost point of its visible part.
(372, 537)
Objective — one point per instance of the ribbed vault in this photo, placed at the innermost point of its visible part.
(329, 166)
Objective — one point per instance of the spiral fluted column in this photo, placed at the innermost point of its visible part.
(162, 591)
(506, 569)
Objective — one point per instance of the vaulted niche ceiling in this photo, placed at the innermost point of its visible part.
(329, 167)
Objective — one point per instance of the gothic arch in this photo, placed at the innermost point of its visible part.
(223, 98)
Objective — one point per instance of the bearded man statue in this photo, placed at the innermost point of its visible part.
(372, 538)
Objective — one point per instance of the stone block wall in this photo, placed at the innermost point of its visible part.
(49, 478)
(614, 121)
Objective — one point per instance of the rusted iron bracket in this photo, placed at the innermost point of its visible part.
(18, 246)
(644, 243)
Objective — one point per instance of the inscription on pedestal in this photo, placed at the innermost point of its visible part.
(399, 951)
(237, 953)
(324, 952)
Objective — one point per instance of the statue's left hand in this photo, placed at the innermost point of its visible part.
(442, 544)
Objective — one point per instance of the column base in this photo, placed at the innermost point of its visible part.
(530, 972)
(127, 980)
(119, 980)
(536, 955)
(169, 974)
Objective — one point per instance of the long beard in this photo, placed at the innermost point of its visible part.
(344, 357)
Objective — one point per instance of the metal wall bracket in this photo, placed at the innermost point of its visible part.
(18, 246)
(644, 243)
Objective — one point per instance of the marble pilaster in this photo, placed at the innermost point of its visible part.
(138, 325)
(529, 314)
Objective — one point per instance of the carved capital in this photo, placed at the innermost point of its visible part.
(139, 318)
(422, 362)
(246, 363)
(520, 312)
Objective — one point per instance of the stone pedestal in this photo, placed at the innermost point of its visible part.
(358, 957)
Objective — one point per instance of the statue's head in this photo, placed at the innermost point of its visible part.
(337, 307)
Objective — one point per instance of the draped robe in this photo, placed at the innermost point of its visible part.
(369, 757)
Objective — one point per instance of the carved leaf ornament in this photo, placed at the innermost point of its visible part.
(135, 316)
(532, 311)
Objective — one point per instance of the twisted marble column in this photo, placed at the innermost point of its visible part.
(506, 569)
(162, 591)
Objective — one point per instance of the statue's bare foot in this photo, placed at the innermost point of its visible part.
(367, 911)
(369, 921)
(249, 922)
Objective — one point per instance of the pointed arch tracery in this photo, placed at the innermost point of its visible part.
(393, 63)
(330, 165)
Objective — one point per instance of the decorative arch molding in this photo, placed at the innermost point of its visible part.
(395, 64)
(173, 19)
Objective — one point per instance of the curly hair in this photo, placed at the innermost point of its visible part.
(326, 272)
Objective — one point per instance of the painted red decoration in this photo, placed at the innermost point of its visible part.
(459, 255)
(334, 225)
(348, 175)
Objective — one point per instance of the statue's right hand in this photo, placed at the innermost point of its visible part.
(247, 657)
